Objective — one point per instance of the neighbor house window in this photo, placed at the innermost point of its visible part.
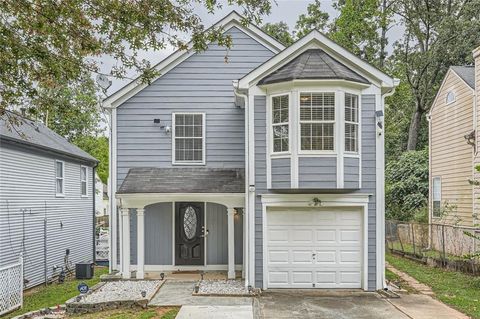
(450, 97)
(59, 178)
(317, 121)
(189, 138)
(351, 122)
(83, 180)
(436, 196)
(280, 123)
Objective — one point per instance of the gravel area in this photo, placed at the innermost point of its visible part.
(222, 287)
(123, 291)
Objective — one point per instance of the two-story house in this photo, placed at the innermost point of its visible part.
(47, 200)
(454, 144)
(270, 162)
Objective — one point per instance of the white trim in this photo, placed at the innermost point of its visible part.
(294, 133)
(85, 181)
(140, 243)
(380, 199)
(339, 136)
(126, 243)
(317, 40)
(231, 20)
(62, 193)
(204, 137)
(112, 191)
(231, 242)
(173, 232)
(327, 200)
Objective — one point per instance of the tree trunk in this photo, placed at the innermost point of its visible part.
(383, 36)
(414, 130)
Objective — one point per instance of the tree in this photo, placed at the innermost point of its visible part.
(279, 31)
(438, 34)
(45, 44)
(315, 18)
(97, 146)
(406, 185)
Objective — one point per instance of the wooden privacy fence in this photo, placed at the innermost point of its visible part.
(11, 287)
(437, 244)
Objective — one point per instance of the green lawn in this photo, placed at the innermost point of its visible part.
(458, 290)
(54, 294)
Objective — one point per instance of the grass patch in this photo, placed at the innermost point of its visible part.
(456, 289)
(133, 313)
(390, 276)
(54, 294)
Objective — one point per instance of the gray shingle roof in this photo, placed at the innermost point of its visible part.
(183, 180)
(467, 73)
(21, 130)
(313, 64)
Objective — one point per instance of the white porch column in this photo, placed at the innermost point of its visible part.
(244, 244)
(125, 243)
(231, 242)
(140, 242)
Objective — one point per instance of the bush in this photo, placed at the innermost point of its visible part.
(406, 186)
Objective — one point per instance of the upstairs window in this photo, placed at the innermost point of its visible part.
(83, 180)
(317, 121)
(59, 178)
(351, 122)
(188, 138)
(280, 121)
(436, 196)
(450, 97)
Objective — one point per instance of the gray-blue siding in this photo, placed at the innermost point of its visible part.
(27, 196)
(201, 83)
(368, 178)
(317, 172)
(281, 173)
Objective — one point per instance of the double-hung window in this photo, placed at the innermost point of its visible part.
(59, 178)
(436, 196)
(83, 180)
(280, 121)
(351, 122)
(189, 138)
(317, 121)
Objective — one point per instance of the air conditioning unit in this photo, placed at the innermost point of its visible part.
(84, 270)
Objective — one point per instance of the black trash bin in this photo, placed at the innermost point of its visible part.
(84, 270)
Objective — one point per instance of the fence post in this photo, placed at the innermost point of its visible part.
(443, 245)
(400, 239)
(20, 259)
(413, 237)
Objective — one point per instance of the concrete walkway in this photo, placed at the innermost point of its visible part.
(179, 293)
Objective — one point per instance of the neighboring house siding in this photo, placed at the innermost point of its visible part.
(451, 156)
(476, 202)
(281, 173)
(317, 172)
(368, 152)
(201, 83)
(27, 182)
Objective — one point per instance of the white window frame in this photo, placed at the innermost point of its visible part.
(84, 181)
(299, 123)
(357, 123)
(438, 178)
(62, 194)
(204, 137)
(271, 124)
(454, 97)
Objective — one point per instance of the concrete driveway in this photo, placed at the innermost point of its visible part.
(338, 304)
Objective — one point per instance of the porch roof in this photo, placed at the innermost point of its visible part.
(183, 180)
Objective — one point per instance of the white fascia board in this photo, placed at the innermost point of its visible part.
(231, 20)
(317, 40)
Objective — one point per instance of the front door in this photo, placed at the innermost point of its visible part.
(189, 241)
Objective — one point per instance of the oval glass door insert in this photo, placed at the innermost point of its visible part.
(190, 222)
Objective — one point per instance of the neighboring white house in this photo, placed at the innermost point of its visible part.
(47, 197)
(102, 204)
(269, 162)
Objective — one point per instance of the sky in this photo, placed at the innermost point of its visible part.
(284, 10)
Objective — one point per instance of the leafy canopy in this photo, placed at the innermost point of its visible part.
(280, 31)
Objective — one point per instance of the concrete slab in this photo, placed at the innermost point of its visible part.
(179, 293)
(338, 304)
(215, 312)
(419, 306)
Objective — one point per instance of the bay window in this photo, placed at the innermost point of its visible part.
(317, 121)
(280, 119)
(351, 123)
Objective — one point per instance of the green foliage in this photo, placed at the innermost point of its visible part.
(406, 185)
(315, 18)
(97, 146)
(45, 44)
(279, 31)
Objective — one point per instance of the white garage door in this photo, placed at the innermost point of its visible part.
(314, 248)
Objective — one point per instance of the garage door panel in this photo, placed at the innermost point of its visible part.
(314, 248)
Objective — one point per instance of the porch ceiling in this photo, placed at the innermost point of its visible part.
(183, 180)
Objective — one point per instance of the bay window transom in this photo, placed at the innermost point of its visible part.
(315, 117)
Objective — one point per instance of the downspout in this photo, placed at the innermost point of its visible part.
(247, 211)
(396, 82)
